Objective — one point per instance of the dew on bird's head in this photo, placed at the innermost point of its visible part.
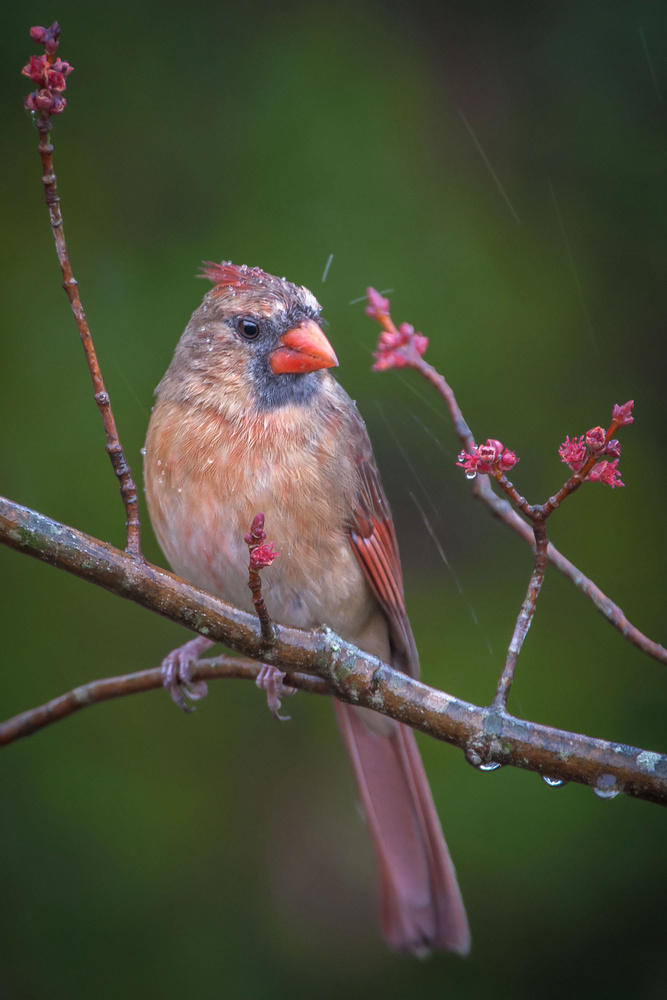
(143, 451)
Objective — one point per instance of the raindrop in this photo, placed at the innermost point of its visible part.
(474, 758)
(143, 451)
(471, 474)
(553, 782)
(605, 787)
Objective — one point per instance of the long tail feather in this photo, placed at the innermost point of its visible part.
(420, 901)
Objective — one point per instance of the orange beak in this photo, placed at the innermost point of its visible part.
(302, 349)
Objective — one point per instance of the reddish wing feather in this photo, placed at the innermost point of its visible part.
(373, 541)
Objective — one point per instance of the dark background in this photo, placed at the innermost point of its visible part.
(501, 167)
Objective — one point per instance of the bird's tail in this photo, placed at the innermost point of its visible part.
(420, 901)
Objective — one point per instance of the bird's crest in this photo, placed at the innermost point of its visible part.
(228, 275)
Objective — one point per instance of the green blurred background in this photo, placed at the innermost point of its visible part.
(501, 167)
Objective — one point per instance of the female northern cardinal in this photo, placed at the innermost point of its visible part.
(248, 419)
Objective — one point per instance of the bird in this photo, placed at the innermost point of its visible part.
(249, 418)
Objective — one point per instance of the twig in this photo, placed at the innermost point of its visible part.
(524, 619)
(47, 101)
(262, 555)
(486, 735)
(96, 692)
(500, 509)
(403, 348)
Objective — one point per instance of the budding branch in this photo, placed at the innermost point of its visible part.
(485, 734)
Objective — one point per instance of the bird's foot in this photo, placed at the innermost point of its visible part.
(177, 676)
(270, 679)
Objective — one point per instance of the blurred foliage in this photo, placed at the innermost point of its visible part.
(501, 167)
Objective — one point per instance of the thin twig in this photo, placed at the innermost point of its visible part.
(128, 489)
(262, 555)
(525, 617)
(98, 691)
(501, 510)
(482, 489)
(486, 735)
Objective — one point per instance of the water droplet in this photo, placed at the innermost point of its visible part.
(202, 329)
(471, 474)
(475, 760)
(143, 451)
(605, 787)
(553, 782)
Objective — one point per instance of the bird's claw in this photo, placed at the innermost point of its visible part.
(270, 679)
(177, 675)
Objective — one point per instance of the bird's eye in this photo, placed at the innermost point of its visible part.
(248, 329)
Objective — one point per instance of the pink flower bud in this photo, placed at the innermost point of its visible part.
(595, 438)
(44, 100)
(35, 69)
(469, 462)
(420, 343)
(497, 446)
(607, 473)
(52, 36)
(389, 341)
(377, 305)
(507, 460)
(488, 453)
(256, 533)
(262, 556)
(38, 35)
(573, 453)
(613, 449)
(623, 414)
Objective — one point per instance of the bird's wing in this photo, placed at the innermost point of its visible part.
(373, 541)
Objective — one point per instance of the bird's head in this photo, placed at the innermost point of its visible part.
(255, 338)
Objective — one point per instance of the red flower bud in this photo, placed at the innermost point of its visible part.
(595, 438)
(485, 457)
(262, 556)
(507, 461)
(623, 414)
(573, 453)
(487, 453)
(44, 100)
(613, 449)
(38, 35)
(377, 305)
(607, 473)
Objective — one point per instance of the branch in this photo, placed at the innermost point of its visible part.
(402, 347)
(485, 734)
(524, 619)
(95, 692)
(50, 74)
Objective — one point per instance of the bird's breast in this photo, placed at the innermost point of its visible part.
(206, 478)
